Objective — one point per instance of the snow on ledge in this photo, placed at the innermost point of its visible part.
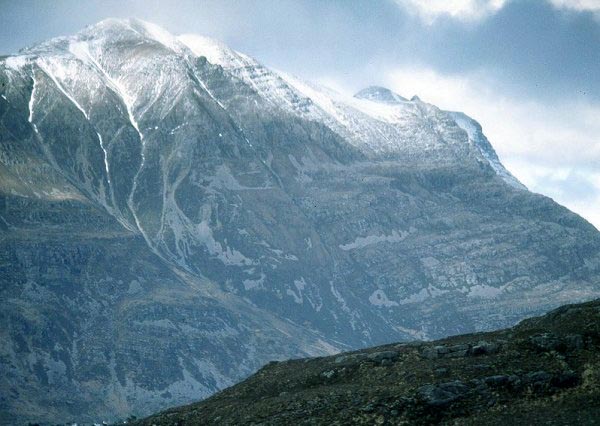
(361, 242)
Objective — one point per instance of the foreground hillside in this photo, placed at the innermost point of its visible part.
(546, 370)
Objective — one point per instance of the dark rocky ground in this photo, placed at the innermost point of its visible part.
(544, 371)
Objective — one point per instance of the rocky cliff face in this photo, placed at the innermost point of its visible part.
(174, 215)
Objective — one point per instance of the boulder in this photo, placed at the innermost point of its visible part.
(442, 394)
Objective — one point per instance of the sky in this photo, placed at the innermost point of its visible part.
(527, 70)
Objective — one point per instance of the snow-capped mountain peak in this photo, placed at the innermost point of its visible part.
(380, 94)
(375, 120)
(115, 28)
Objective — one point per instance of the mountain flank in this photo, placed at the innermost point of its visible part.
(174, 215)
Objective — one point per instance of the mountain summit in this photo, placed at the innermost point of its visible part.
(380, 94)
(175, 214)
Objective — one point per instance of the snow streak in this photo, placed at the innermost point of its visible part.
(105, 157)
(81, 51)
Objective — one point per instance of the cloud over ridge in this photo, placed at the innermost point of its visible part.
(472, 10)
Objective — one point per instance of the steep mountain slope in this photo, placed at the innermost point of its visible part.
(96, 326)
(546, 370)
(169, 203)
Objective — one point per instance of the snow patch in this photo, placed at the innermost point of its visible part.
(484, 291)
(477, 138)
(297, 295)
(16, 63)
(430, 262)
(50, 67)
(415, 334)
(81, 51)
(105, 156)
(361, 242)
(159, 34)
(227, 255)
(31, 102)
(418, 297)
(424, 294)
(379, 298)
(254, 284)
(214, 51)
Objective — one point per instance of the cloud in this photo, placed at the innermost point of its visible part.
(577, 189)
(472, 10)
(553, 148)
(578, 5)
(467, 10)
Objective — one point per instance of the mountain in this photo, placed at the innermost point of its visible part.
(174, 215)
(544, 371)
